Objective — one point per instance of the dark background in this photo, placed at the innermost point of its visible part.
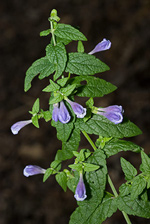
(126, 24)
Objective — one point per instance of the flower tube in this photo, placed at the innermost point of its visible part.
(79, 111)
(63, 115)
(113, 113)
(80, 193)
(102, 46)
(31, 170)
(15, 128)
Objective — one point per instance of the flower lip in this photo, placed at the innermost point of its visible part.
(102, 46)
(80, 193)
(15, 128)
(31, 170)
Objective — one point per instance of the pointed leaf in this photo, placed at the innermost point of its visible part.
(128, 169)
(61, 178)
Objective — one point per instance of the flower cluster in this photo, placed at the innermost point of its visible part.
(61, 112)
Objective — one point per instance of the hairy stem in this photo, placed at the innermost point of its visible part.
(109, 179)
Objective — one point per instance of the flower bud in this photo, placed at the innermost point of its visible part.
(15, 128)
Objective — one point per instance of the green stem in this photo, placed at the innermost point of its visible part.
(52, 32)
(109, 179)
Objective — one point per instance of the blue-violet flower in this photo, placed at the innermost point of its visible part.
(31, 170)
(63, 115)
(80, 193)
(102, 46)
(112, 113)
(77, 108)
(15, 128)
(55, 112)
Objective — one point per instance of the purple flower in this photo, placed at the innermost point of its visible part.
(31, 170)
(60, 113)
(77, 108)
(15, 128)
(112, 113)
(80, 193)
(102, 46)
(55, 112)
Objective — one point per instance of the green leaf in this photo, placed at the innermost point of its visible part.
(80, 47)
(56, 99)
(36, 106)
(45, 33)
(68, 90)
(62, 82)
(69, 146)
(62, 40)
(63, 130)
(84, 64)
(116, 145)
(134, 207)
(35, 121)
(42, 66)
(138, 185)
(68, 32)
(56, 165)
(57, 56)
(47, 115)
(128, 169)
(88, 167)
(99, 125)
(94, 87)
(125, 189)
(90, 103)
(61, 178)
(51, 87)
(101, 141)
(47, 174)
(77, 167)
(96, 212)
(148, 182)
(145, 166)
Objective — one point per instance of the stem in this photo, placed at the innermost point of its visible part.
(52, 31)
(109, 179)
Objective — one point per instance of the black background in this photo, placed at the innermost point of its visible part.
(126, 24)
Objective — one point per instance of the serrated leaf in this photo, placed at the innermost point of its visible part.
(128, 169)
(61, 178)
(68, 90)
(95, 187)
(80, 47)
(57, 56)
(62, 81)
(63, 130)
(145, 166)
(51, 87)
(56, 165)
(116, 145)
(138, 185)
(36, 106)
(62, 40)
(56, 99)
(88, 167)
(94, 87)
(125, 189)
(47, 115)
(68, 32)
(99, 125)
(69, 146)
(77, 167)
(84, 64)
(42, 66)
(47, 174)
(35, 121)
(45, 32)
(134, 207)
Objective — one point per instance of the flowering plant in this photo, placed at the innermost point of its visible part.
(72, 74)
